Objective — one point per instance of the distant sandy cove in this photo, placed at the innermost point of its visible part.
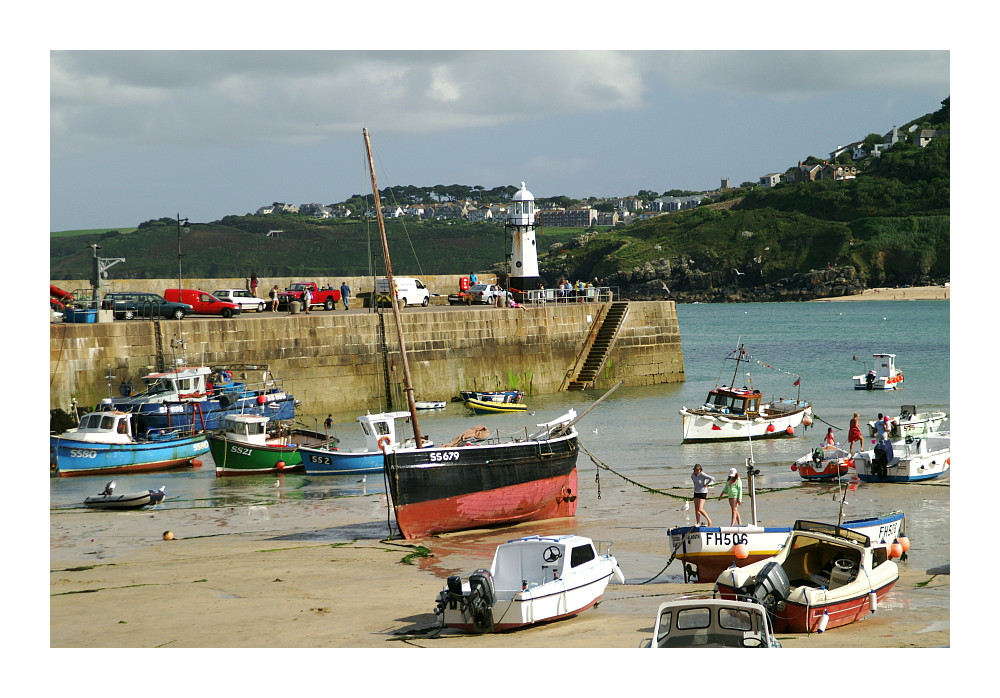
(918, 293)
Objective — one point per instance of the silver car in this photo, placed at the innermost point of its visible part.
(243, 298)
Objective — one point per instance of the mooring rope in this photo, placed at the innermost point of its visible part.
(826, 422)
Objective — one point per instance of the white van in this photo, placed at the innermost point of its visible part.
(409, 291)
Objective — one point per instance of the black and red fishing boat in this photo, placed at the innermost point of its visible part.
(474, 483)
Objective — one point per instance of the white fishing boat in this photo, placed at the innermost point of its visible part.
(739, 413)
(825, 462)
(711, 622)
(882, 376)
(531, 580)
(823, 577)
(430, 404)
(910, 459)
(911, 423)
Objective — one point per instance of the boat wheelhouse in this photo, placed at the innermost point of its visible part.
(882, 376)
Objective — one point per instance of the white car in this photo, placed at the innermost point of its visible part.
(243, 298)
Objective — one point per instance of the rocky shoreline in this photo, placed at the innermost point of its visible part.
(680, 281)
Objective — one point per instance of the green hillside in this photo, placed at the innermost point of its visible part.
(891, 224)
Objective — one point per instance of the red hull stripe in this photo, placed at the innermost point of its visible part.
(530, 501)
(141, 468)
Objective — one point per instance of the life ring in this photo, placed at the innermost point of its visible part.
(383, 443)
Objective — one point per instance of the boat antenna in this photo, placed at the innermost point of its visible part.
(407, 383)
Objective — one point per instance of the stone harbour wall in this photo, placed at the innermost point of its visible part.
(334, 361)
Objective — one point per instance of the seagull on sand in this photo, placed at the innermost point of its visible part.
(687, 505)
(363, 479)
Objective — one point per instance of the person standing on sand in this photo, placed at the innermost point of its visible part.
(701, 483)
(854, 434)
(734, 490)
(830, 440)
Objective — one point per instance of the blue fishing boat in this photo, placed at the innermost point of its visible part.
(200, 397)
(380, 435)
(106, 442)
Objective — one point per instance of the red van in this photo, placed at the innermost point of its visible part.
(202, 302)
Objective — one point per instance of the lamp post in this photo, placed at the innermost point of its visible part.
(179, 255)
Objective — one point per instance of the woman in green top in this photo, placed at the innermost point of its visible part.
(734, 490)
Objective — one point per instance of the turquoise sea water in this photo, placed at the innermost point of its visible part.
(636, 431)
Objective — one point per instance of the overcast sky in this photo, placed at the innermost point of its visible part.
(138, 135)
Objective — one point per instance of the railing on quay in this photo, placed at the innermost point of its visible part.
(591, 294)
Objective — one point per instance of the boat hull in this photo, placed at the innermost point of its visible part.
(442, 489)
(239, 458)
(136, 500)
(494, 407)
(804, 617)
(701, 425)
(712, 548)
(914, 459)
(318, 461)
(537, 605)
(78, 457)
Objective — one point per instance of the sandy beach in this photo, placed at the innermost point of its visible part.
(917, 293)
(116, 583)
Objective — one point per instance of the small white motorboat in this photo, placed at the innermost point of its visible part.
(429, 404)
(823, 577)
(906, 460)
(531, 580)
(911, 423)
(711, 622)
(882, 376)
(107, 499)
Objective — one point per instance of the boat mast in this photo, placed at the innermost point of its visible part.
(407, 384)
(739, 355)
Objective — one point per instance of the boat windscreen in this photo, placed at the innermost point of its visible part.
(832, 530)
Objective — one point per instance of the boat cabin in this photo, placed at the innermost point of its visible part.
(711, 622)
(379, 426)
(826, 555)
(726, 400)
(180, 385)
(246, 428)
(885, 365)
(528, 562)
(109, 426)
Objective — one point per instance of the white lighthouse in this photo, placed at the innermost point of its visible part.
(524, 256)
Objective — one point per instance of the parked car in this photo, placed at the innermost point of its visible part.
(487, 294)
(129, 304)
(409, 291)
(202, 302)
(241, 297)
(326, 297)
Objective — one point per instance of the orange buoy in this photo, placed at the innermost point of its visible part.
(740, 551)
(260, 399)
(905, 542)
(280, 465)
(794, 467)
(895, 550)
(789, 431)
(770, 428)
(807, 421)
(195, 463)
(168, 535)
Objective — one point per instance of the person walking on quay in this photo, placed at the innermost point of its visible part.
(734, 490)
(701, 484)
(274, 299)
(854, 434)
(345, 293)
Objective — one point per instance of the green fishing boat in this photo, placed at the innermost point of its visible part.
(253, 445)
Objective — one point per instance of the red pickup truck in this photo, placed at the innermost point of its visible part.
(325, 297)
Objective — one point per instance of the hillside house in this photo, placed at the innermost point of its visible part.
(676, 203)
(806, 173)
(582, 217)
(836, 171)
(924, 136)
(480, 215)
(771, 179)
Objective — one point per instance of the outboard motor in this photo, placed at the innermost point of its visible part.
(870, 379)
(482, 595)
(771, 586)
(880, 462)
